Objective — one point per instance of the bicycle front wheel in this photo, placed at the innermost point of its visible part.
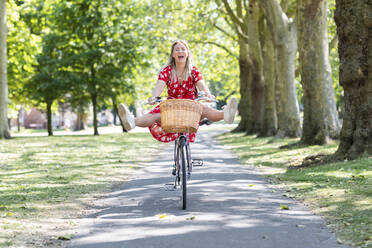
(182, 153)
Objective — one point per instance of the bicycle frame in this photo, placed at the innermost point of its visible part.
(188, 153)
(182, 158)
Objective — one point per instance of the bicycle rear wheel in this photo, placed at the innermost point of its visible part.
(182, 153)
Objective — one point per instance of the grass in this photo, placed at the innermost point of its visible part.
(33, 130)
(341, 192)
(46, 181)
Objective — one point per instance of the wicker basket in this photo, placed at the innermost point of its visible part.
(180, 115)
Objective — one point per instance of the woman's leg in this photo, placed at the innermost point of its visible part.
(211, 114)
(228, 113)
(147, 120)
(129, 122)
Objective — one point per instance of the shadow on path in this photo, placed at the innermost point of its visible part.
(229, 205)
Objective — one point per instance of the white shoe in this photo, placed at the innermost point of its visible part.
(229, 110)
(126, 117)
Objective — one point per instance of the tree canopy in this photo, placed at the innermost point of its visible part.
(96, 54)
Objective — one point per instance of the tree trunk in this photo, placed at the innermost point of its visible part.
(80, 121)
(18, 118)
(95, 122)
(270, 120)
(333, 122)
(245, 104)
(4, 129)
(284, 34)
(62, 112)
(49, 117)
(115, 114)
(354, 28)
(241, 22)
(320, 115)
(94, 98)
(114, 104)
(257, 80)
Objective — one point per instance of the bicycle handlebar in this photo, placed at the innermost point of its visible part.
(201, 97)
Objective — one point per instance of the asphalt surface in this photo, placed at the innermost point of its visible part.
(229, 205)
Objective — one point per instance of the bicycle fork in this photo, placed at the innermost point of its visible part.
(177, 157)
(189, 162)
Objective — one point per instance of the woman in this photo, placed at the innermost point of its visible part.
(181, 77)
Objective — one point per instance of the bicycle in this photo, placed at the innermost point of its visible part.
(183, 163)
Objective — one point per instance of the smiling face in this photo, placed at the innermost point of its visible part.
(180, 53)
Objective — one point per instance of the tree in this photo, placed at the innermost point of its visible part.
(211, 39)
(320, 114)
(284, 33)
(270, 119)
(50, 82)
(255, 53)
(245, 20)
(4, 129)
(354, 25)
(22, 46)
(103, 46)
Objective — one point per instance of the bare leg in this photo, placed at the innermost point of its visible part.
(147, 120)
(212, 114)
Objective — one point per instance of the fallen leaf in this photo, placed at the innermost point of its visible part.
(191, 218)
(251, 185)
(162, 216)
(284, 207)
(65, 237)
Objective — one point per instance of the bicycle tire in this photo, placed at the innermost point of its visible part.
(188, 161)
(182, 147)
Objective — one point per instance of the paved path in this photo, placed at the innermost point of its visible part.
(224, 209)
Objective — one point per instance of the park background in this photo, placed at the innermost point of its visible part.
(70, 63)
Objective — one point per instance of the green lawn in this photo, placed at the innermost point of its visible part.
(45, 182)
(341, 192)
(43, 179)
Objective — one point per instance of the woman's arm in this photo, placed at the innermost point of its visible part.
(160, 85)
(203, 87)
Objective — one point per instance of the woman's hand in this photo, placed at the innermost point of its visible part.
(211, 98)
(152, 100)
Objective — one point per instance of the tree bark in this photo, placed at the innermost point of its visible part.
(80, 121)
(94, 98)
(320, 115)
(284, 34)
(18, 118)
(257, 80)
(270, 120)
(62, 110)
(245, 105)
(95, 122)
(240, 22)
(49, 117)
(354, 28)
(4, 129)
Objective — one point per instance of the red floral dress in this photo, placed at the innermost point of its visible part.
(186, 90)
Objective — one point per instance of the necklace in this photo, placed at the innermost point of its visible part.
(179, 77)
(179, 74)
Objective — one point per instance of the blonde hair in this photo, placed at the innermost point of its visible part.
(189, 62)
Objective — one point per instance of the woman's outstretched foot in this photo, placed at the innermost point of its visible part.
(229, 111)
(126, 117)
